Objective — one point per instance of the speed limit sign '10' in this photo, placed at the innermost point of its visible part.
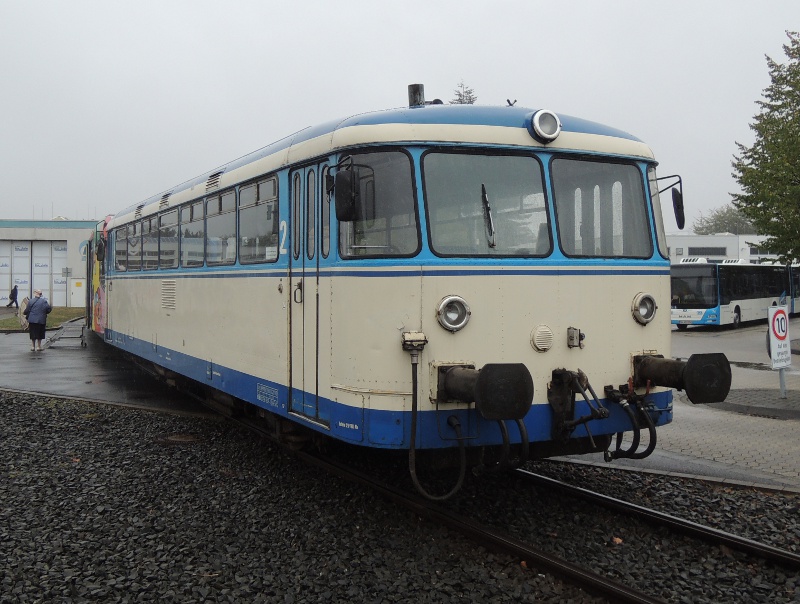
(779, 343)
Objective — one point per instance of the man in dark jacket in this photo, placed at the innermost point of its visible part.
(12, 298)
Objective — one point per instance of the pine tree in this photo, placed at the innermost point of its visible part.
(464, 95)
(768, 172)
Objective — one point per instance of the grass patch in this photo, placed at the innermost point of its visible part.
(59, 315)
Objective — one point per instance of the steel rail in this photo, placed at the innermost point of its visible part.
(693, 529)
(594, 583)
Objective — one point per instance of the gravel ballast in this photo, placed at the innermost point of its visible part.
(103, 504)
(97, 504)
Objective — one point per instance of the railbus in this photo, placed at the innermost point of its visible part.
(433, 278)
(728, 292)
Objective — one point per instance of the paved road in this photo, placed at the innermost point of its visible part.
(95, 372)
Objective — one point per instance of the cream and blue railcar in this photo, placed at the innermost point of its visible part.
(488, 276)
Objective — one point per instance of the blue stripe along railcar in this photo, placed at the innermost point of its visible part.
(432, 277)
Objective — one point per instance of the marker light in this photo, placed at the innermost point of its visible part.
(453, 313)
(643, 308)
(546, 125)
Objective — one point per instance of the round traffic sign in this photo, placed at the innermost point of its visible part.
(780, 324)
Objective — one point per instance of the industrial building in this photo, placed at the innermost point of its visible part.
(719, 247)
(49, 255)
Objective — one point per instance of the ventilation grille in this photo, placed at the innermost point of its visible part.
(213, 181)
(169, 293)
(164, 201)
(542, 338)
(138, 212)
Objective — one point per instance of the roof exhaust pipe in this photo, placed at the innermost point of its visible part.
(416, 96)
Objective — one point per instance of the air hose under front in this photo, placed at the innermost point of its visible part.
(452, 421)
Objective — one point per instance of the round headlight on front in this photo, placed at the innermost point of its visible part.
(546, 125)
(453, 313)
(643, 308)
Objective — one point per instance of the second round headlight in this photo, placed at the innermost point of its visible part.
(453, 313)
(643, 308)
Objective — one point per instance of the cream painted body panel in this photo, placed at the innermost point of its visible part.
(235, 322)
(367, 361)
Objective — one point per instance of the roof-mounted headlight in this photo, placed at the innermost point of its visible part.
(643, 308)
(453, 313)
(546, 125)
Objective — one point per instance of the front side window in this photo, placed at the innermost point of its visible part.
(486, 205)
(258, 222)
(221, 228)
(661, 237)
(386, 217)
(601, 209)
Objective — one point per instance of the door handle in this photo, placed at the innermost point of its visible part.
(297, 294)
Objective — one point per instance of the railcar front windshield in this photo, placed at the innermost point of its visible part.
(694, 287)
(601, 209)
(486, 205)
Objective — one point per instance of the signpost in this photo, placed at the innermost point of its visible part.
(780, 346)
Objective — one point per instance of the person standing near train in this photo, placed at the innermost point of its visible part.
(12, 298)
(37, 311)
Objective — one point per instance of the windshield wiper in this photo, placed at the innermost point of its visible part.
(487, 215)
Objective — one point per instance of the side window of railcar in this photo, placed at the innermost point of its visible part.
(121, 249)
(149, 244)
(325, 215)
(258, 222)
(192, 234)
(221, 228)
(134, 246)
(386, 222)
(168, 238)
(486, 205)
(296, 188)
(311, 214)
(601, 209)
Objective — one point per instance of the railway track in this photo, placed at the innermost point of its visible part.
(498, 540)
(489, 537)
(687, 527)
(486, 536)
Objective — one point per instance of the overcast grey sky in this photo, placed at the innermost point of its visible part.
(104, 104)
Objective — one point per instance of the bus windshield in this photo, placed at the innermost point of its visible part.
(486, 205)
(694, 286)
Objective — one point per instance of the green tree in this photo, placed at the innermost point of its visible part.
(464, 95)
(726, 219)
(768, 172)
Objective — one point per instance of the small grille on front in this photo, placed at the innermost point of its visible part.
(542, 338)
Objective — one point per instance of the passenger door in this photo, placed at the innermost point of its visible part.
(304, 284)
